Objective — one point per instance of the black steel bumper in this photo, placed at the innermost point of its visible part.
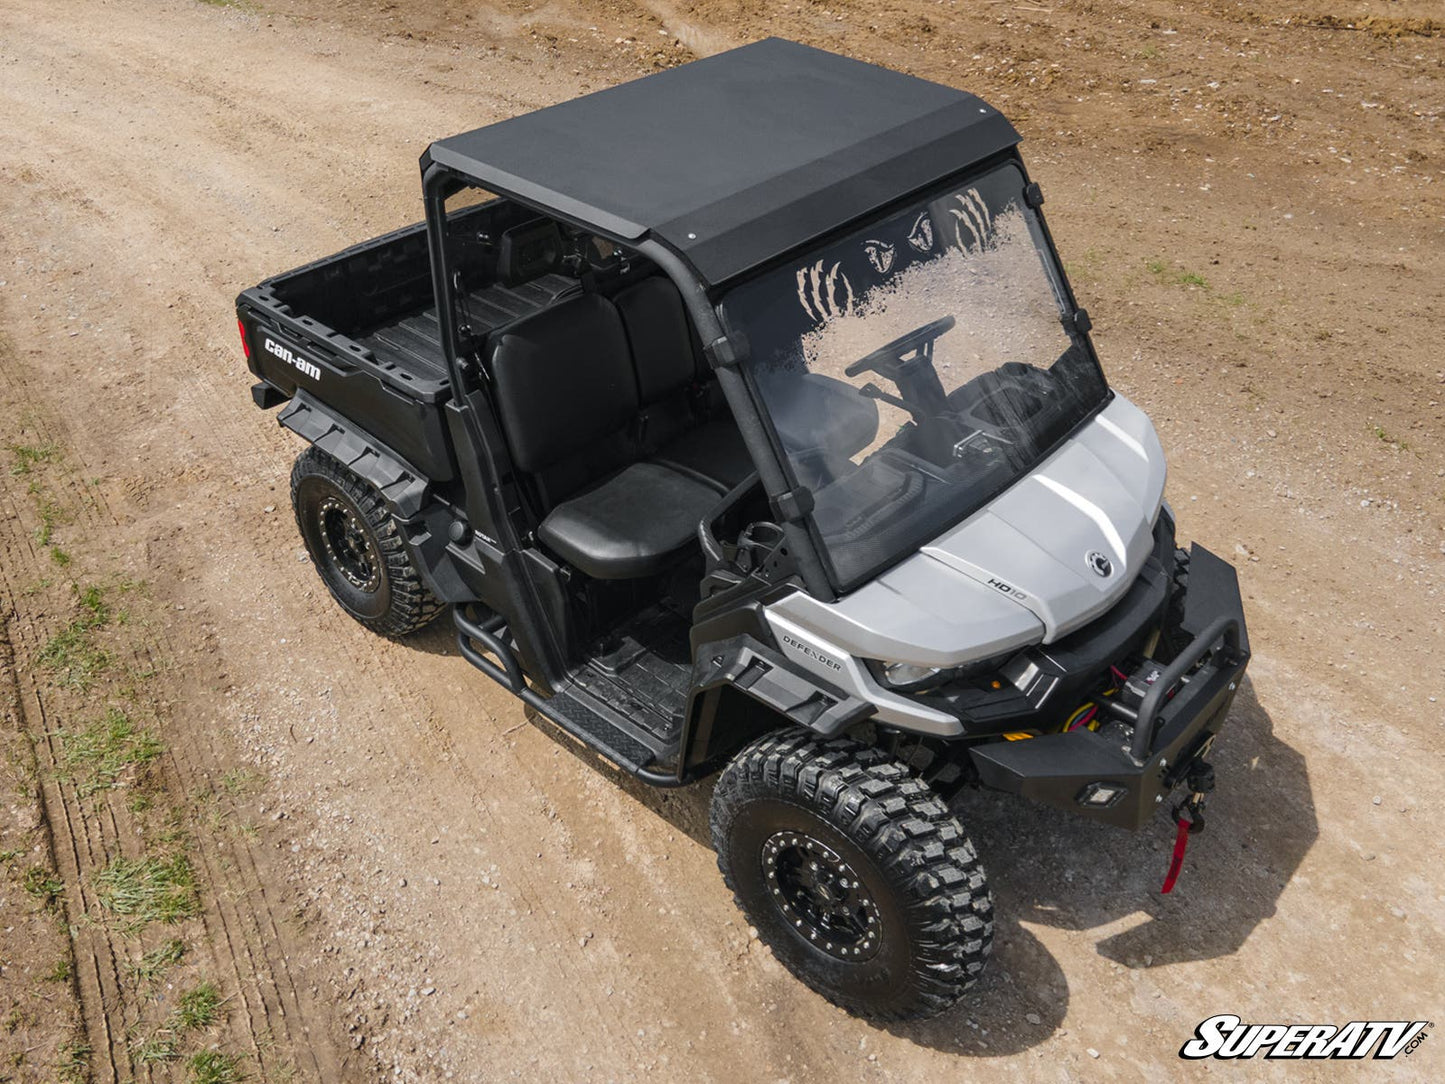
(1122, 782)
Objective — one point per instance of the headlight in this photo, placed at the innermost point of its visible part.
(907, 677)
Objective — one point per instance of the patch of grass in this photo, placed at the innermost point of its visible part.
(52, 515)
(1086, 268)
(59, 971)
(28, 456)
(157, 961)
(44, 885)
(74, 1064)
(148, 890)
(1172, 276)
(60, 557)
(92, 600)
(162, 1046)
(98, 756)
(1149, 52)
(9, 855)
(199, 1007)
(1385, 438)
(175, 830)
(72, 653)
(240, 782)
(214, 1067)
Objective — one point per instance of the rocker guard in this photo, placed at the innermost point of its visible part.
(1061, 769)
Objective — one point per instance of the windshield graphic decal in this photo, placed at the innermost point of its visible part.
(972, 214)
(880, 255)
(920, 238)
(824, 296)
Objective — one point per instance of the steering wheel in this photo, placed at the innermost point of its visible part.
(887, 355)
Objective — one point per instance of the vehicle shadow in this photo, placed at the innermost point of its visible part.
(1023, 982)
(1067, 873)
(1048, 867)
(438, 638)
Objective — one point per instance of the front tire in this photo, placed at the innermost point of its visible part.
(357, 547)
(854, 873)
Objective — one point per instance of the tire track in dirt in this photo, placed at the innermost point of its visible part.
(80, 844)
(22, 1024)
(90, 832)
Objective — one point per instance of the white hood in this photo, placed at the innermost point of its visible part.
(1050, 554)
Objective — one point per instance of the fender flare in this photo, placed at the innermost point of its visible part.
(401, 485)
(748, 667)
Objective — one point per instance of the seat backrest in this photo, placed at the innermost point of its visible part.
(664, 354)
(660, 336)
(566, 394)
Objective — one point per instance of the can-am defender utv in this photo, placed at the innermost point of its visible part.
(750, 424)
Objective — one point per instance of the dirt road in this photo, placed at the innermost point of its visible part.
(395, 877)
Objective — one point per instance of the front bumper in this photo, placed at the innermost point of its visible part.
(1072, 770)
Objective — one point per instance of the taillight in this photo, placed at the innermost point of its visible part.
(244, 344)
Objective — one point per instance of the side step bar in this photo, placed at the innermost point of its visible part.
(571, 708)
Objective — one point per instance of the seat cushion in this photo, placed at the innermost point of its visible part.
(713, 451)
(630, 525)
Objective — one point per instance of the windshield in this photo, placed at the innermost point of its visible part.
(917, 367)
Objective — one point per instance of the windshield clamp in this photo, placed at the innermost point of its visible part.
(1082, 323)
(1033, 195)
(721, 353)
(793, 505)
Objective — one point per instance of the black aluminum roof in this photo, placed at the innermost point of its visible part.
(737, 158)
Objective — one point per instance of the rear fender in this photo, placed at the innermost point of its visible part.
(403, 488)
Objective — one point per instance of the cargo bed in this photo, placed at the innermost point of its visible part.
(412, 344)
(364, 323)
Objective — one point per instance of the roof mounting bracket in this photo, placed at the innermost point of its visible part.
(794, 505)
(722, 353)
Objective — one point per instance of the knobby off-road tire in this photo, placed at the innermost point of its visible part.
(357, 548)
(854, 873)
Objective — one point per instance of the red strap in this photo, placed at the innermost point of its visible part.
(1181, 840)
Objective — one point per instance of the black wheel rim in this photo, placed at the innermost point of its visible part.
(349, 547)
(821, 896)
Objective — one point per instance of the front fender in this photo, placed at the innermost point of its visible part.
(742, 671)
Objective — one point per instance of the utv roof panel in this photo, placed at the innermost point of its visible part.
(737, 158)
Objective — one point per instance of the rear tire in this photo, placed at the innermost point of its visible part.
(357, 547)
(854, 873)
